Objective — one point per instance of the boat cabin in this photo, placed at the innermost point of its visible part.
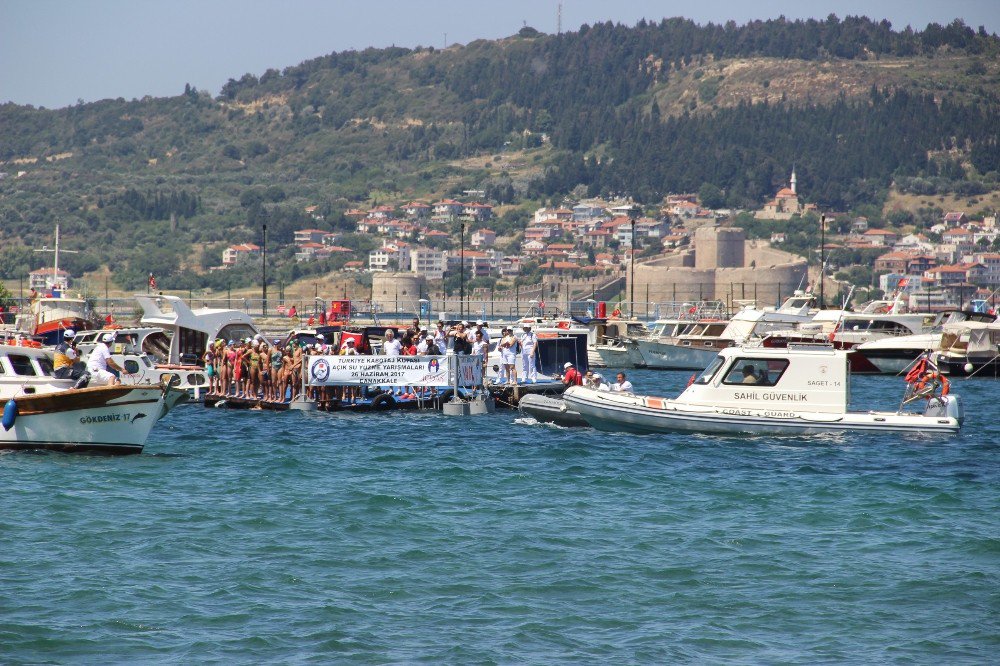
(26, 371)
(190, 330)
(799, 378)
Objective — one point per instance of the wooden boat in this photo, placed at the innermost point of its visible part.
(42, 412)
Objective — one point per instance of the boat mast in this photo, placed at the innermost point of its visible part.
(55, 270)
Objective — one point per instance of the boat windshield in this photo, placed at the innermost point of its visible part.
(710, 371)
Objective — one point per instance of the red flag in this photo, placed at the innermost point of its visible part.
(904, 282)
(152, 281)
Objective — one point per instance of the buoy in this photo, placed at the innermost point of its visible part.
(969, 367)
(9, 414)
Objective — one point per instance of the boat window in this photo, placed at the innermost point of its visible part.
(131, 366)
(715, 329)
(710, 371)
(45, 364)
(157, 345)
(22, 365)
(759, 371)
(236, 332)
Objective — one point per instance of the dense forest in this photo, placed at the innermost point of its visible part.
(165, 184)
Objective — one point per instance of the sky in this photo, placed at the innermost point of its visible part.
(54, 53)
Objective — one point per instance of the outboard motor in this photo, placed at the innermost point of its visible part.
(945, 406)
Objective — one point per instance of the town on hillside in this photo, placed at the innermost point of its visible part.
(582, 247)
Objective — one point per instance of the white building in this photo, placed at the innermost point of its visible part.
(428, 262)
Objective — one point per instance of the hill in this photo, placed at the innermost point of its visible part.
(642, 110)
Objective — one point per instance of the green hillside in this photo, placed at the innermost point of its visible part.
(165, 184)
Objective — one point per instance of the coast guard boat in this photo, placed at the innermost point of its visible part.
(800, 389)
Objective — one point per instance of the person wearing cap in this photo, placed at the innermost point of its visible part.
(571, 376)
(508, 356)
(599, 383)
(481, 328)
(66, 361)
(529, 344)
(100, 360)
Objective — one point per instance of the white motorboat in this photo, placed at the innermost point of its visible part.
(42, 412)
(970, 348)
(847, 330)
(894, 355)
(169, 345)
(800, 389)
(694, 346)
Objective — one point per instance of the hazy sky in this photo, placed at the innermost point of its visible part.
(54, 52)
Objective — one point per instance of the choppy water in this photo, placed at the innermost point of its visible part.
(247, 537)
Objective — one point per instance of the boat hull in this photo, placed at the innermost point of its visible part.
(618, 356)
(664, 356)
(551, 410)
(108, 419)
(647, 415)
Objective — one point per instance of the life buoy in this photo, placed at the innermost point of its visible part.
(929, 382)
(383, 403)
(563, 324)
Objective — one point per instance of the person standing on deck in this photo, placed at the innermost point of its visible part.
(529, 344)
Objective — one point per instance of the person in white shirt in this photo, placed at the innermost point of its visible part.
(441, 338)
(622, 385)
(508, 356)
(481, 328)
(100, 360)
(391, 346)
(422, 346)
(528, 345)
(600, 384)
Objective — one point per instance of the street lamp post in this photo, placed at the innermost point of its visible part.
(822, 257)
(461, 275)
(263, 264)
(633, 213)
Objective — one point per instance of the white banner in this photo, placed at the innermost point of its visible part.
(393, 370)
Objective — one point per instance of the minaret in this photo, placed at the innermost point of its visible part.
(793, 180)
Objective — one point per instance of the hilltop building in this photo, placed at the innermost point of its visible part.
(785, 205)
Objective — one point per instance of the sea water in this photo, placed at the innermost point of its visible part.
(248, 537)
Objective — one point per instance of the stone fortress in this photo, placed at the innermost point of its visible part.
(722, 265)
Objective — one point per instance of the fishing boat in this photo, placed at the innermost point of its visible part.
(799, 389)
(613, 344)
(42, 412)
(52, 311)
